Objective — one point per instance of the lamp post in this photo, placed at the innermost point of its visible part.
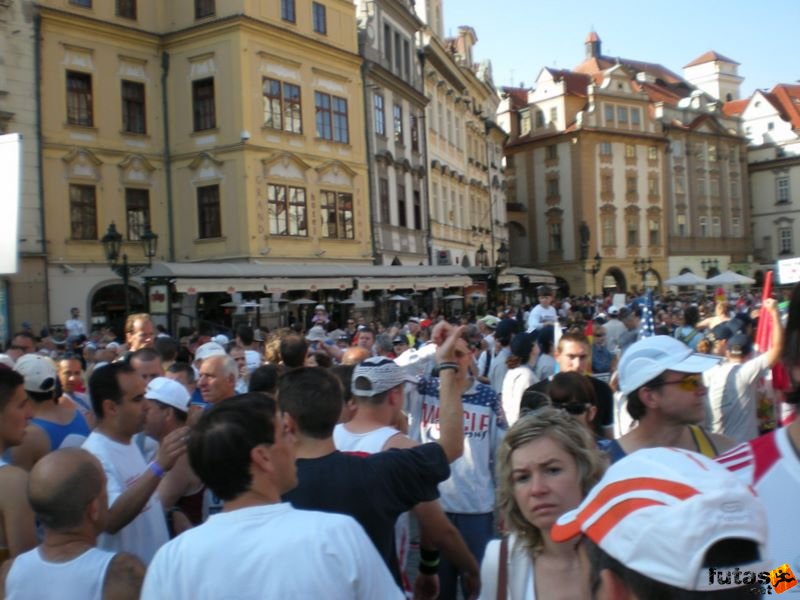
(594, 269)
(642, 267)
(112, 245)
(500, 263)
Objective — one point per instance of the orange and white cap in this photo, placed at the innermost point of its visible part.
(658, 511)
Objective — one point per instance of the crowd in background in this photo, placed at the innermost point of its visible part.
(493, 431)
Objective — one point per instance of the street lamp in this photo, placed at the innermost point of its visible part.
(482, 257)
(642, 267)
(112, 245)
(594, 269)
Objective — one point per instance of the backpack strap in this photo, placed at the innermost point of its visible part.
(502, 571)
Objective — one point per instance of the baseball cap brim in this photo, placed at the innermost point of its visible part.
(695, 363)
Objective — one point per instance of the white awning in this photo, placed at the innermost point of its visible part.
(412, 283)
(275, 285)
(269, 285)
(201, 286)
(507, 279)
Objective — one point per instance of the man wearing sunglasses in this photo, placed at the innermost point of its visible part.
(662, 379)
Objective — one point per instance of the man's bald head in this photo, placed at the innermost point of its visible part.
(62, 485)
(355, 355)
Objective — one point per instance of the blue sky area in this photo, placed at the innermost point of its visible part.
(522, 36)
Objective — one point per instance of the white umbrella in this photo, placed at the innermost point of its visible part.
(398, 298)
(511, 288)
(302, 301)
(730, 278)
(687, 278)
(453, 297)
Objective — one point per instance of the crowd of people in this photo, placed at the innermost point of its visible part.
(577, 448)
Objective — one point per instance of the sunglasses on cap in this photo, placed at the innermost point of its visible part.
(690, 383)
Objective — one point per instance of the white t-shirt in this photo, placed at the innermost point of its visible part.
(541, 316)
(771, 466)
(270, 551)
(123, 465)
(515, 383)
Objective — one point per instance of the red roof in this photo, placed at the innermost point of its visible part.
(708, 57)
(519, 96)
(576, 84)
(734, 107)
(592, 37)
(787, 97)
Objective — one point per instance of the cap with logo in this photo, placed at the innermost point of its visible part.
(168, 391)
(377, 374)
(646, 359)
(658, 511)
(740, 345)
(39, 372)
(400, 339)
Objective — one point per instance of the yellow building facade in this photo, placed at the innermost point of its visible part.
(233, 129)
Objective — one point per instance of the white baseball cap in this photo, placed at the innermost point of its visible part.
(646, 359)
(168, 391)
(39, 372)
(658, 511)
(613, 310)
(220, 339)
(381, 373)
(316, 334)
(208, 350)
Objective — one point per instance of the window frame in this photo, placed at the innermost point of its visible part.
(83, 211)
(397, 124)
(204, 9)
(288, 11)
(137, 200)
(126, 9)
(379, 113)
(289, 107)
(319, 18)
(785, 241)
(782, 190)
(383, 201)
(134, 109)
(333, 205)
(294, 211)
(80, 102)
(204, 119)
(209, 212)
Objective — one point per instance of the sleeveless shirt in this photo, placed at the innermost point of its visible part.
(81, 578)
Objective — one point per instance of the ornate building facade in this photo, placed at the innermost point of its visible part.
(628, 162)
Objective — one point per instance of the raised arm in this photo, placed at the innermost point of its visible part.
(453, 358)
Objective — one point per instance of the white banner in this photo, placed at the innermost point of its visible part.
(10, 196)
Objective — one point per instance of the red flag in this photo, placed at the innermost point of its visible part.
(764, 331)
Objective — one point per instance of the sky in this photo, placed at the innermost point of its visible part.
(521, 37)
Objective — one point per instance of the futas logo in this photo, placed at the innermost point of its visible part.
(782, 578)
(778, 580)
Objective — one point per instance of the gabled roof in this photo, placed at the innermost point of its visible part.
(787, 97)
(735, 107)
(590, 66)
(708, 57)
(518, 95)
(576, 84)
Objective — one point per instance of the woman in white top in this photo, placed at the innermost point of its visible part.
(546, 465)
(520, 375)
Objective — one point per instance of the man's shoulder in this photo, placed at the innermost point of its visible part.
(752, 460)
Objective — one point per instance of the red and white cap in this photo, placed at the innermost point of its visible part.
(658, 511)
